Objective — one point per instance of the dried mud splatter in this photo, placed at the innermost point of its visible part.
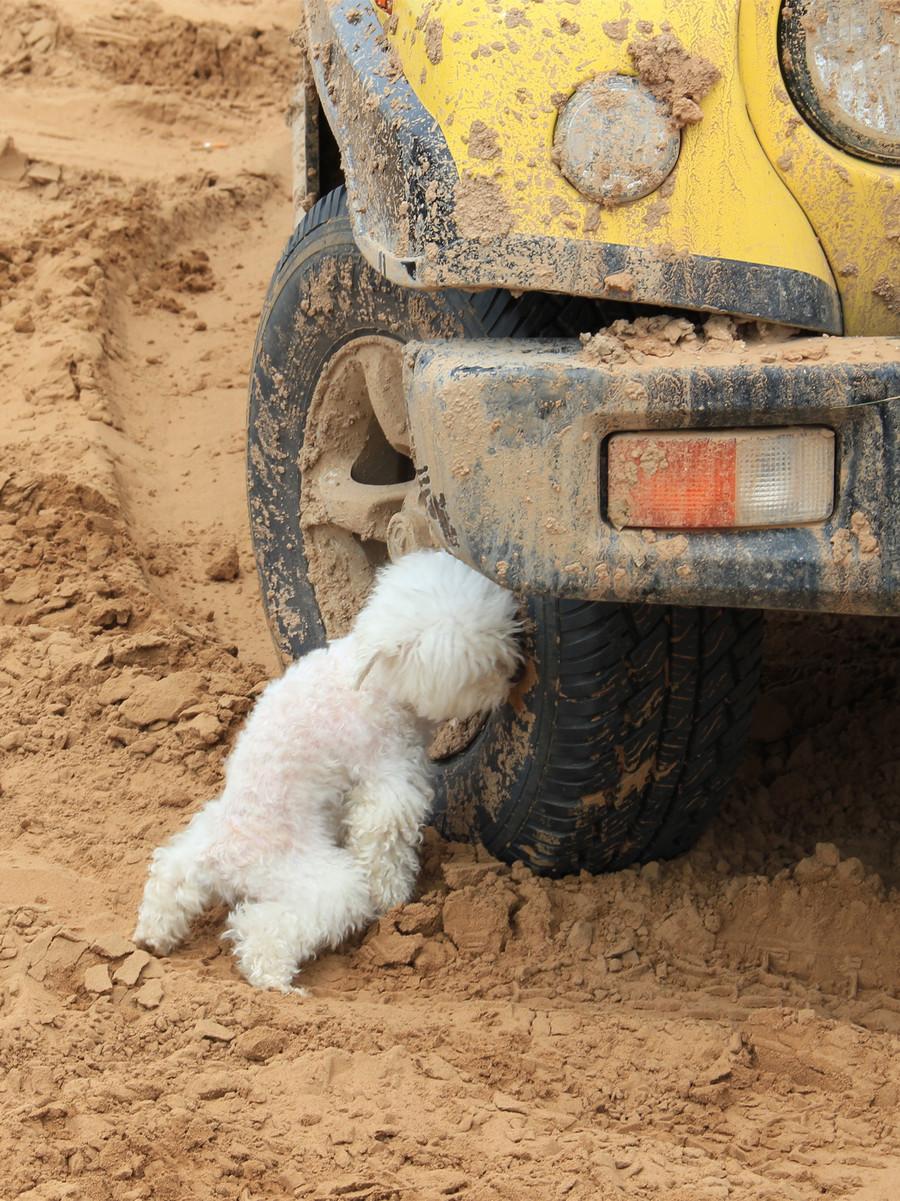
(675, 76)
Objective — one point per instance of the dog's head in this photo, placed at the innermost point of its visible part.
(438, 637)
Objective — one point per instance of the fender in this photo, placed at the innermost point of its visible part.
(403, 117)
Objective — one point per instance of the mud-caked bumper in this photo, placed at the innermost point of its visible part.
(511, 442)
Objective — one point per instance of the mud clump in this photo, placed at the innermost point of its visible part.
(481, 209)
(483, 141)
(675, 76)
(632, 341)
(224, 565)
(434, 41)
(616, 31)
(718, 336)
(889, 291)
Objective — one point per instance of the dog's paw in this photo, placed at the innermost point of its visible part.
(297, 990)
(388, 888)
(274, 983)
(156, 943)
(384, 899)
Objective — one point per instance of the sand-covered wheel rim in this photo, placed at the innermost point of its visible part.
(355, 473)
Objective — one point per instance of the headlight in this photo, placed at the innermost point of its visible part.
(614, 141)
(839, 59)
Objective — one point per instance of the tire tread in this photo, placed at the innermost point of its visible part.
(695, 737)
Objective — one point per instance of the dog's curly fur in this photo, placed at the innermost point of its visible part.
(328, 786)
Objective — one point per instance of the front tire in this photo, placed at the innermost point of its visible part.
(623, 733)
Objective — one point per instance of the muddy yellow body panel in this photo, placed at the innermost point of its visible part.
(445, 115)
(481, 65)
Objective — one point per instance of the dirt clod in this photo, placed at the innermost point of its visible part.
(213, 1031)
(261, 1043)
(619, 281)
(675, 76)
(388, 947)
(112, 946)
(129, 972)
(477, 920)
(161, 700)
(13, 163)
(224, 565)
(150, 995)
(96, 979)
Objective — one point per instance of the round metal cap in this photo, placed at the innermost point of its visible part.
(614, 141)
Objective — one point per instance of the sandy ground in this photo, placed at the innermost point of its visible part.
(725, 1026)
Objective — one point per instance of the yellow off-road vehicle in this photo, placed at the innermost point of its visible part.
(602, 297)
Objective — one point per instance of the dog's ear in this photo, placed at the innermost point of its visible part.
(382, 656)
(364, 670)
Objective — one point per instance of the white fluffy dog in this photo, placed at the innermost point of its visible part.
(327, 788)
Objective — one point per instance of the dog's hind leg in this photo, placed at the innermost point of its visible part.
(383, 820)
(180, 885)
(322, 898)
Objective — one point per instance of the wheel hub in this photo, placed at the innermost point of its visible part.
(359, 502)
(358, 497)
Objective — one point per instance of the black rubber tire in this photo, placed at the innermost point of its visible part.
(624, 732)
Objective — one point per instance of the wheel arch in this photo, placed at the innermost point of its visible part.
(317, 165)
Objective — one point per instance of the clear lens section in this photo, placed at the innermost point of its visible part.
(784, 477)
(841, 64)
